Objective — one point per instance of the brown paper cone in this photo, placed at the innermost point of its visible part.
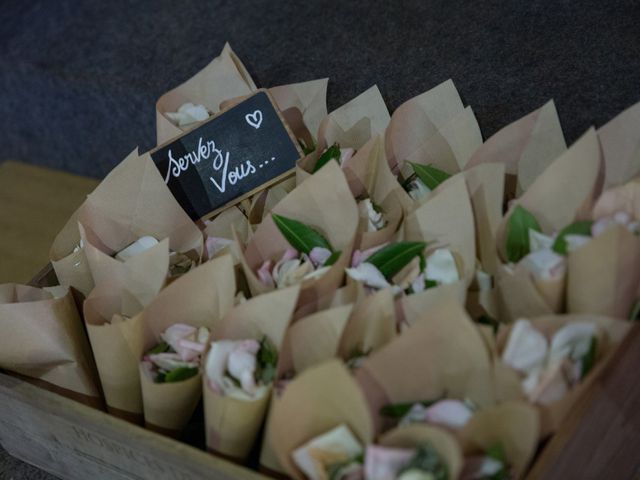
(412, 308)
(603, 275)
(315, 338)
(224, 78)
(613, 331)
(625, 198)
(42, 337)
(446, 219)
(117, 347)
(331, 210)
(620, 140)
(413, 436)
(513, 425)
(517, 296)
(232, 425)
(316, 401)
(72, 268)
(441, 354)
(169, 406)
(310, 98)
(371, 325)
(263, 203)
(223, 225)
(526, 147)
(565, 191)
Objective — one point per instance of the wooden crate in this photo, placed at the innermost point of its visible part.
(600, 439)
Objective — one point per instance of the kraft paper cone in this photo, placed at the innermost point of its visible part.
(486, 183)
(413, 436)
(441, 354)
(620, 140)
(603, 275)
(625, 198)
(566, 191)
(169, 406)
(517, 295)
(118, 343)
(263, 203)
(433, 128)
(310, 98)
(316, 401)
(231, 424)
(526, 147)
(446, 219)
(71, 267)
(41, 337)
(315, 338)
(323, 202)
(223, 225)
(412, 308)
(513, 425)
(612, 333)
(224, 78)
(356, 121)
(371, 325)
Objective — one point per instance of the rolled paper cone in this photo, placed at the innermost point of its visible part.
(41, 337)
(351, 293)
(620, 140)
(264, 202)
(603, 276)
(367, 112)
(446, 219)
(232, 425)
(412, 308)
(200, 298)
(414, 436)
(552, 291)
(143, 275)
(269, 463)
(612, 331)
(486, 184)
(309, 203)
(310, 98)
(222, 226)
(371, 325)
(169, 406)
(517, 296)
(70, 265)
(624, 198)
(566, 191)
(525, 147)
(462, 133)
(118, 343)
(442, 353)
(315, 338)
(513, 425)
(316, 401)
(224, 78)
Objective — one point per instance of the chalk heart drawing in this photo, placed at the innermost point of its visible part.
(254, 119)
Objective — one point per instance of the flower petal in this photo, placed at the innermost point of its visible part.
(441, 267)
(319, 255)
(526, 347)
(369, 275)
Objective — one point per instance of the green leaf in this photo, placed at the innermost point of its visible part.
(492, 322)
(399, 410)
(582, 227)
(427, 460)
(162, 347)
(518, 226)
(496, 451)
(332, 259)
(428, 283)
(300, 236)
(590, 358)
(635, 312)
(179, 374)
(430, 176)
(267, 359)
(393, 258)
(331, 153)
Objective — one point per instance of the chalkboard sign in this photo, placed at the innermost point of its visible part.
(236, 153)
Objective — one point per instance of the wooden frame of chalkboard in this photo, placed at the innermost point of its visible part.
(200, 171)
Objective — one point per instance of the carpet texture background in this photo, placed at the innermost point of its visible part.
(79, 79)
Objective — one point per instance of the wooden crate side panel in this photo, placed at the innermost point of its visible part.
(79, 443)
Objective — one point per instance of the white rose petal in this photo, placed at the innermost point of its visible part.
(526, 347)
(574, 242)
(441, 267)
(572, 341)
(544, 264)
(369, 275)
(383, 463)
(539, 241)
(417, 189)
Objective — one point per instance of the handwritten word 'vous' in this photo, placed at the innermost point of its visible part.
(220, 163)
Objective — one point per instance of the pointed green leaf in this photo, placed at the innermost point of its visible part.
(331, 153)
(267, 358)
(180, 374)
(430, 176)
(590, 358)
(393, 258)
(332, 259)
(162, 347)
(518, 226)
(582, 227)
(300, 236)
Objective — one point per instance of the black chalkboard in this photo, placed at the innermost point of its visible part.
(230, 156)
